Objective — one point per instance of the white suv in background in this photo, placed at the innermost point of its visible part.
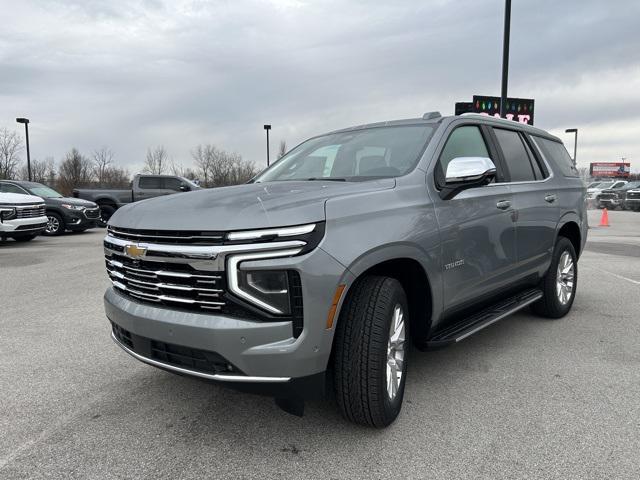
(22, 217)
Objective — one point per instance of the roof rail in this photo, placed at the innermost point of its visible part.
(431, 115)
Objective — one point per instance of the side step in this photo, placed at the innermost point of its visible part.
(470, 325)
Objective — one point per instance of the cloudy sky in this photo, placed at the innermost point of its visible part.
(135, 74)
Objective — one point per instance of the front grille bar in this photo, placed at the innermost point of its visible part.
(166, 298)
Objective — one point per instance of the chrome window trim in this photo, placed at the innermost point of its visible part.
(232, 274)
(195, 373)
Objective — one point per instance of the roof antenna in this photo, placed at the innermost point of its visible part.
(431, 115)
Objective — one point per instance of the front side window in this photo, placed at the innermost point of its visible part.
(465, 141)
(515, 155)
(356, 155)
(172, 184)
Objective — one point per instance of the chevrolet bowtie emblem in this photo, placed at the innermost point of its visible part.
(134, 251)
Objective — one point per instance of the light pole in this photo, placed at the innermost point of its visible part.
(505, 58)
(575, 142)
(267, 128)
(26, 132)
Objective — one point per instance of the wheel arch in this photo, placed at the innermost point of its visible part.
(569, 227)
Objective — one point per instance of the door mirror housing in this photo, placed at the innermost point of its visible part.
(467, 172)
(184, 188)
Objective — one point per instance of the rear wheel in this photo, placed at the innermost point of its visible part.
(370, 364)
(55, 224)
(560, 282)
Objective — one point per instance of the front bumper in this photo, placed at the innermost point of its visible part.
(265, 355)
(81, 220)
(23, 225)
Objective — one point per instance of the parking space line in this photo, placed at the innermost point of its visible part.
(636, 282)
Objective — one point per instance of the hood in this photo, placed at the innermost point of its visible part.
(241, 207)
(18, 199)
(70, 201)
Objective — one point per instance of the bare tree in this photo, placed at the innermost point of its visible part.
(219, 168)
(42, 171)
(75, 171)
(10, 147)
(102, 162)
(282, 149)
(156, 161)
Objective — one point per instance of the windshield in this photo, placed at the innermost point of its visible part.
(45, 192)
(593, 184)
(354, 155)
(604, 185)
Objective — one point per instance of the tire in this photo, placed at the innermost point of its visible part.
(24, 238)
(360, 364)
(551, 305)
(55, 224)
(106, 211)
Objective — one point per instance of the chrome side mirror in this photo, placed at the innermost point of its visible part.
(466, 172)
(469, 169)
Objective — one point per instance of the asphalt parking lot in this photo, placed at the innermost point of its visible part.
(525, 398)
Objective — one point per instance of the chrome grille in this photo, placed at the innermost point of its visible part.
(30, 211)
(181, 237)
(174, 284)
(633, 194)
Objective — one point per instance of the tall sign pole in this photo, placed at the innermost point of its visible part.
(505, 58)
(267, 128)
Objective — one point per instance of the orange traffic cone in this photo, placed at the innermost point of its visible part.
(604, 221)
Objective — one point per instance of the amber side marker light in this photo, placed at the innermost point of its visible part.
(334, 306)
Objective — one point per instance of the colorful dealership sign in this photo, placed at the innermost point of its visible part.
(518, 109)
(609, 169)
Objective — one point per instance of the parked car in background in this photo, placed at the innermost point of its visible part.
(63, 213)
(632, 199)
(349, 247)
(142, 187)
(593, 193)
(613, 198)
(22, 217)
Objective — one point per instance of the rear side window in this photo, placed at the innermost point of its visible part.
(149, 183)
(557, 154)
(515, 155)
(465, 141)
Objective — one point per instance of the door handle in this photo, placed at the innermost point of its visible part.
(503, 204)
(550, 198)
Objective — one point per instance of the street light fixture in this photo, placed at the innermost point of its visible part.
(575, 142)
(26, 132)
(267, 128)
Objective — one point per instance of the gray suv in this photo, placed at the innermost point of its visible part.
(315, 276)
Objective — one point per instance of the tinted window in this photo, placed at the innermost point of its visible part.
(515, 155)
(556, 153)
(172, 184)
(539, 171)
(150, 182)
(11, 188)
(463, 142)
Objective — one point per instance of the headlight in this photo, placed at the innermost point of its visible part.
(271, 287)
(72, 207)
(266, 289)
(311, 234)
(7, 213)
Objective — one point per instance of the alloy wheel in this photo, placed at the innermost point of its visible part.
(395, 352)
(565, 278)
(53, 225)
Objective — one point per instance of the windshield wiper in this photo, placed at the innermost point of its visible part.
(329, 179)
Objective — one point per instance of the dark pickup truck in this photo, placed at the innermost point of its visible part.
(142, 187)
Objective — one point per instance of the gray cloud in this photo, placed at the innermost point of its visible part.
(137, 74)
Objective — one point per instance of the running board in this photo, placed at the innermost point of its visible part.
(473, 324)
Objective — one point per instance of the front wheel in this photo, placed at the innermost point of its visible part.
(370, 358)
(55, 224)
(560, 282)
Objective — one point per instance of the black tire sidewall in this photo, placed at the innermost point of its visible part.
(105, 210)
